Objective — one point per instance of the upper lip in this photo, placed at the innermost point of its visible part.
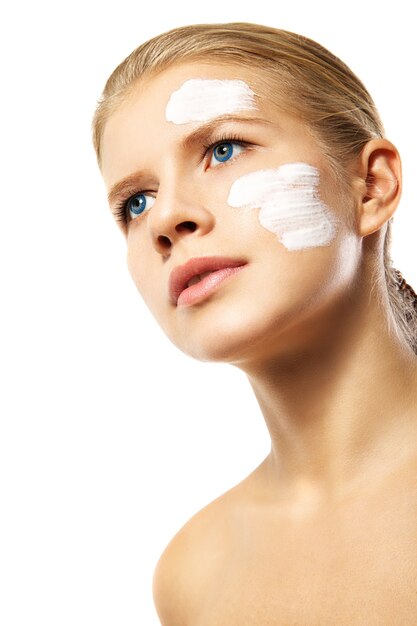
(181, 274)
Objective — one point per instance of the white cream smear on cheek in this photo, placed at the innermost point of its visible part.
(289, 204)
(201, 99)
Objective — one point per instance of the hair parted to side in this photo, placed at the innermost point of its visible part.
(300, 76)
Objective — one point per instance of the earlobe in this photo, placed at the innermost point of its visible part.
(381, 190)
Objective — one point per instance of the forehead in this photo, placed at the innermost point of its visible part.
(157, 90)
(146, 109)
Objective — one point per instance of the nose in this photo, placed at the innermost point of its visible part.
(176, 214)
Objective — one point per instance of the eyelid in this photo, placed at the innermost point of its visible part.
(213, 142)
(230, 161)
(120, 210)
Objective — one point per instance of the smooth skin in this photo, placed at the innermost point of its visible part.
(324, 531)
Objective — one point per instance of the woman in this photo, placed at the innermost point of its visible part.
(248, 168)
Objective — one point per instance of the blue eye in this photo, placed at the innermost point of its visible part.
(224, 151)
(138, 203)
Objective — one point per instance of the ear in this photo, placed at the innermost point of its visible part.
(381, 178)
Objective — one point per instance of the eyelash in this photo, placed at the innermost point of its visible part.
(120, 209)
(230, 138)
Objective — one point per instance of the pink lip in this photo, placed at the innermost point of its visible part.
(221, 268)
(201, 290)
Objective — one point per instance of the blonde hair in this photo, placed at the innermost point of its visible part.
(310, 82)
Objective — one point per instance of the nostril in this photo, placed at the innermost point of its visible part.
(164, 241)
(191, 226)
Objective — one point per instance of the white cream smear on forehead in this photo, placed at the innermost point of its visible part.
(289, 204)
(202, 99)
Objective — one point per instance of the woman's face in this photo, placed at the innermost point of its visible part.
(254, 188)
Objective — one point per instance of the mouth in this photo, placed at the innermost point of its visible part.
(196, 279)
(199, 276)
(200, 288)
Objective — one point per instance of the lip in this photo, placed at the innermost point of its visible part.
(180, 276)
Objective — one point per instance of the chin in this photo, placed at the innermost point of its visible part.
(228, 336)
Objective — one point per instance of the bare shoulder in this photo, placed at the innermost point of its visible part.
(193, 558)
(188, 563)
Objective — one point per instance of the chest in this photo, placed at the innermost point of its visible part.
(356, 567)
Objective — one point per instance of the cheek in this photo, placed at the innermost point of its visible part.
(289, 204)
(147, 280)
(139, 272)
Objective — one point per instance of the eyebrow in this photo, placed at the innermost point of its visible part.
(126, 184)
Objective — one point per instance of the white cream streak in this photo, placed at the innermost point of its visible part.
(199, 99)
(289, 204)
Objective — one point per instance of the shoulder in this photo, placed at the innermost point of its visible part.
(190, 562)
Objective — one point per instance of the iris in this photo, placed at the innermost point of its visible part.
(223, 151)
(137, 204)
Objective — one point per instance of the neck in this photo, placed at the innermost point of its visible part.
(342, 410)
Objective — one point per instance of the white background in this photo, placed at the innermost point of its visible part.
(111, 439)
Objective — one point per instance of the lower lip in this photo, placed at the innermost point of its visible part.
(205, 287)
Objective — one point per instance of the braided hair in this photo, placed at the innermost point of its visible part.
(408, 293)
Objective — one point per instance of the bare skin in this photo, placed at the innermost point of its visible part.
(324, 531)
(244, 561)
